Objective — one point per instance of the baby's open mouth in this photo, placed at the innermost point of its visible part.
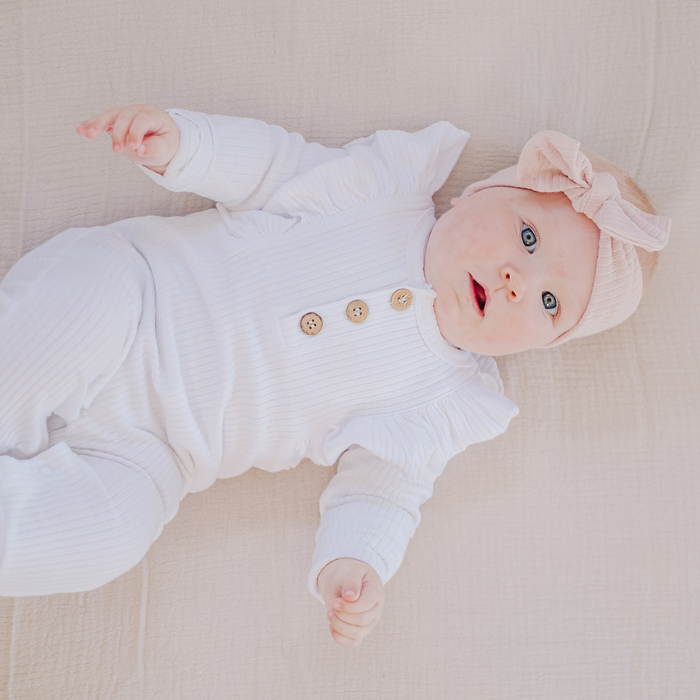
(480, 295)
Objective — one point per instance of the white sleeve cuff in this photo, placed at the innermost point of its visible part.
(371, 530)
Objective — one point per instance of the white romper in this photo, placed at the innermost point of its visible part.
(143, 360)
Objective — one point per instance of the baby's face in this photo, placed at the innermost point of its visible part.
(513, 269)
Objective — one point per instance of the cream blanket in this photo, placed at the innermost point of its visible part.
(560, 560)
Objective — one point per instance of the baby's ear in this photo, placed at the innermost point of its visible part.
(455, 201)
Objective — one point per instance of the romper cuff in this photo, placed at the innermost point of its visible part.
(369, 532)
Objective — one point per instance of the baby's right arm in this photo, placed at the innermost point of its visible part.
(145, 134)
(236, 161)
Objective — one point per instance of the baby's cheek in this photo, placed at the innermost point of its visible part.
(485, 247)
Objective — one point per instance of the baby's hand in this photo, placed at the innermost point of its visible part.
(145, 134)
(354, 597)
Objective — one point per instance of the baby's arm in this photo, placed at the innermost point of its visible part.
(238, 162)
(145, 134)
(369, 512)
(354, 597)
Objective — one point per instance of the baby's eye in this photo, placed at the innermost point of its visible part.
(529, 238)
(550, 303)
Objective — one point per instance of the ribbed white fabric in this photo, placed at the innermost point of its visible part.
(83, 493)
(215, 368)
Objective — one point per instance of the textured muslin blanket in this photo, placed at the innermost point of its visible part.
(559, 560)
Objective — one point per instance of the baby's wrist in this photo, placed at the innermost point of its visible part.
(158, 169)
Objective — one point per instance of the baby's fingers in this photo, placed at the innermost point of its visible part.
(143, 125)
(130, 126)
(360, 619)
(94, 126)
(346, 634)
(371, 598)
(351, 622)
(126, 125)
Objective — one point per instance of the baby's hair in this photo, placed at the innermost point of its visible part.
(634, 194)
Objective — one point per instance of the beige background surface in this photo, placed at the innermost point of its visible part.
(558, 562)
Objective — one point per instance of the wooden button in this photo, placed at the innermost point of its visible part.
(357, 311)
(311, 323)
(401, 299)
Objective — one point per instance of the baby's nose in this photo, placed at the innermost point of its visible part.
(515, 284)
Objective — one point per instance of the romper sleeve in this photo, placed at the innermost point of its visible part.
(246, 164)
(387, 165)
(369, 511)
(236, 161)
(371, 507)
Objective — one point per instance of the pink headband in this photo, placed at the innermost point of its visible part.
(552, 162)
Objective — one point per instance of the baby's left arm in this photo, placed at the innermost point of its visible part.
(354, 598)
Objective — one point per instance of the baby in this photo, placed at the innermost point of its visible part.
(319, 311)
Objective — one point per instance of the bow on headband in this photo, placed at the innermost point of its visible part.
(553, 162)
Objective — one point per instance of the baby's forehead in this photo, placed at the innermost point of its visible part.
(548, 203)
(555, 214)
(544, 205)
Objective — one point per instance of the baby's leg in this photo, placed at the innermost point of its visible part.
(69, 312)
(74, 514)
(73, 522)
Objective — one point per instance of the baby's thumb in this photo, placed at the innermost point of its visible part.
(352, 585)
